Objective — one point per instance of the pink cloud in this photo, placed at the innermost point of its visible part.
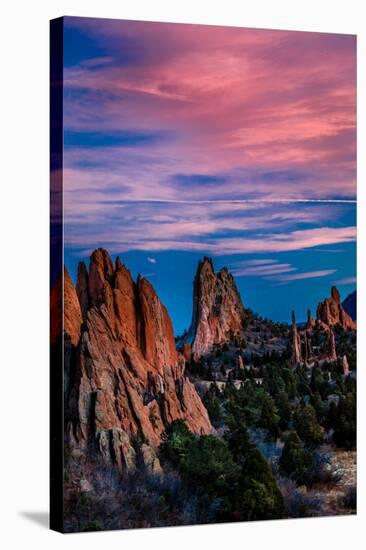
(270, 114)
(150, 238)
(233, 98)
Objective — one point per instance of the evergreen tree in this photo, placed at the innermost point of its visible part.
(284, 410)
(307, 426)
(345, 422)
(269, 419)
(295, 461)
(256, 495)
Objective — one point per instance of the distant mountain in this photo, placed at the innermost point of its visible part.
(350, 305)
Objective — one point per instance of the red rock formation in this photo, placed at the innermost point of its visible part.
(186, 351)
(309, 346)
(296, 343)
(331, 312)
(306, 347)
(218, 312)
(82, 288)
(332, 346)
(345, 365)
(155, 328)
(129, 379)
(310, 322)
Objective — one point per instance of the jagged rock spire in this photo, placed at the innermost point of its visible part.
(218, 312)
(310, 322)
(82, 288)
(335, 294)
(240, 362)
(128, 379)
(345, 365)
(296, 343)
(332, 346)
(306, 347)
(330, 312)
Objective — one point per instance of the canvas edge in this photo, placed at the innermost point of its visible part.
(56, 518)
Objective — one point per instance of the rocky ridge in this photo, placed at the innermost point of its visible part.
(126, 381)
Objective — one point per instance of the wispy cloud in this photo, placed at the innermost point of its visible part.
(209, 139)
(306, 275)
(160, 238)
(262, 270)
(246, 263)
(217, 93)
(273, 270)
(151, 260)
(346, 281)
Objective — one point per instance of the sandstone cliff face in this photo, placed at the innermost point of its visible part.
(331, 312)
(129, 380)
(218, 312)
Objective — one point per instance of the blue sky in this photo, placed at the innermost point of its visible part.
(183, 141)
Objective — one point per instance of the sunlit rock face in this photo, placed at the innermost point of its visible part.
(331, 312)
(127, 379)
(218, 312)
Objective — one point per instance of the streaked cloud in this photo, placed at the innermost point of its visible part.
(307, 275)
(237, 143)
(346, 281)
(217, 140)
(265, 112)
(262, 270)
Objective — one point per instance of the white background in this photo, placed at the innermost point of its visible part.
(24, 272)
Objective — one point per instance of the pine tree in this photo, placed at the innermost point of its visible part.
(295, 461)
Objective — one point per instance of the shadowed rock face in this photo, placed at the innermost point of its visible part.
(72, 313)
(129, 380)
(310, 321)
(331, 312)
(218, 312)
(350, 305)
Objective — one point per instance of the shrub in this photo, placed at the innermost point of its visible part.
(298, 501)
(211, 401)
(175, 442)
(230, 479)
